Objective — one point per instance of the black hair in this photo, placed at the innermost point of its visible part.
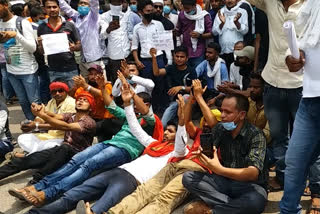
(181, 49)
(189, 2)
(132, 63)
(31, 4)
(215, 46)
(172, 123)
(4, 2)
(44, 2)
(239, 42)
(36, 11)
(17, 9)
(257, 76)
(143, 3)
(145, 97)
(242, 101)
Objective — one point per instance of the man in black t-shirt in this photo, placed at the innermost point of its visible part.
(178, 76)
(61, 65)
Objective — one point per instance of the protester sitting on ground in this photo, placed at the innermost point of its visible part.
(176, 78)
(234, 73)
(79, 131)
(60, 103)
(5, 134)
(237, 181)
(122, 148)
(213, 71)
(107, 124)
(164, 192)
(109, 187)
(245, 62)
(130, 72)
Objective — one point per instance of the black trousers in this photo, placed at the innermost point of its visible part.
(106, 128)
(46, 161)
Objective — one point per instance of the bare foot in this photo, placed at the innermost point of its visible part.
(88, 210)
(19, 155)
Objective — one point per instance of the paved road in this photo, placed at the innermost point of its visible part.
(10, 205)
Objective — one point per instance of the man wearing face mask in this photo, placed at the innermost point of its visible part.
(195, 25)
(157, 15)
(238, 180)
(115, 30)
(86, 19)
(134, 18)
(243, 67)
(167, 12)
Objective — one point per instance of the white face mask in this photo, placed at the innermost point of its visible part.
(116, 10)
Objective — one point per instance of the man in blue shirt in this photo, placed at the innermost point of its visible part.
(212, 71)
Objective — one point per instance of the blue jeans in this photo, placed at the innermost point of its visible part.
(280, 105)
(44, 80)
(27, 90)
(66, 76)
(224, 195)
(170, 113)
(303, 151)
(194, 62)
(108, 188)
(7, 89)
(81, 166)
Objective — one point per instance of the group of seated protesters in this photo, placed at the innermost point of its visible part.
(140, 166)
(122, 132)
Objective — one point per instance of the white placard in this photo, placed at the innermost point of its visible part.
(163, 40)
(292, 38)
(55, 43)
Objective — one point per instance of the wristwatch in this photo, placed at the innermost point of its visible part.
(183, 88)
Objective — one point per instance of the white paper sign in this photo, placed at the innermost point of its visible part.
(292, 38)
(163, 40)
(55, 43)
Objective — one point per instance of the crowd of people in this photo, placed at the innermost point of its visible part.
(136, 126)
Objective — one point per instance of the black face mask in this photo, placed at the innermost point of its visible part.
(148, 17)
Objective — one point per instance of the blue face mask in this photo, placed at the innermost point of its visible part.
(130, 82)
(229, 126)
(133, 8)
(192, 12)
(166, 9)
(40, 22)
(83, 10)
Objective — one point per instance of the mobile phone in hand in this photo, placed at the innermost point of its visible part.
(116, 18)
(206, 143)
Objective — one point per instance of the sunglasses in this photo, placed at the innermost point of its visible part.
(55, 91)
(158, 6)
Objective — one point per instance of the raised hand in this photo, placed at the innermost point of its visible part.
(181, 110)
(221, 17)
(126, 94)
(100, 81)
(124, 68)
(121, 77)
(197, 88)
(237, 17)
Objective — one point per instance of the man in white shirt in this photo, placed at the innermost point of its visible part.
(115, 30)
(19, 43)
(130, 72)
(283, 89)
(231, 24)
(304, 145)
(143, 34)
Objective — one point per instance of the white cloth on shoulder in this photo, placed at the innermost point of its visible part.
(199, 27)
(215, 72)
(31, 143)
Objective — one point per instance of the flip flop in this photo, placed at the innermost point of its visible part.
(81, 207)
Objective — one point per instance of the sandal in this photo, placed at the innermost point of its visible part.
(307, 192)
(314, 207)
(34, 198)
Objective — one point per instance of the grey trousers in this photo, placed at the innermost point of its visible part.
(225, 195)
